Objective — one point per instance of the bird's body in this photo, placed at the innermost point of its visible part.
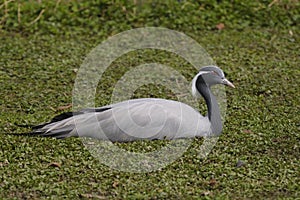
(149, 118)
(144, 119)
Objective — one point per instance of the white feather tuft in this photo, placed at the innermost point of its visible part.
(195, 91)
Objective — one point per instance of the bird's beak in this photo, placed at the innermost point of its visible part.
(227, 82)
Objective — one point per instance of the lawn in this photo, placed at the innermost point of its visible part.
(43, 45)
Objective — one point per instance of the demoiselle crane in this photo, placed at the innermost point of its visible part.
(144, 119)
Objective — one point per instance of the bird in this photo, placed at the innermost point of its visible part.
(145, 118)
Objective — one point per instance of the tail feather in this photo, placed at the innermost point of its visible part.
(58, 127)
(67, 115)
(57, 133)
(57, 118)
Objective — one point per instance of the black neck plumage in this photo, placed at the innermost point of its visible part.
(213, 111)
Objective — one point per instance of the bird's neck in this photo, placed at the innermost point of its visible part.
(212, 109)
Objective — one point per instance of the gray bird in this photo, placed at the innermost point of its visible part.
(144, 119)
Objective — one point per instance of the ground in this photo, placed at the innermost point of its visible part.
(257, 155)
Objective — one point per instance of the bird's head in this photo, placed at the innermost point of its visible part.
(209, 76)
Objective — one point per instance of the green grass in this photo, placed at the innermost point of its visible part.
(38, 70)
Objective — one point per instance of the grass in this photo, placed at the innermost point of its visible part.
(37, 73)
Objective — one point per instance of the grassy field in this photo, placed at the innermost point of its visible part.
(44, 43)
